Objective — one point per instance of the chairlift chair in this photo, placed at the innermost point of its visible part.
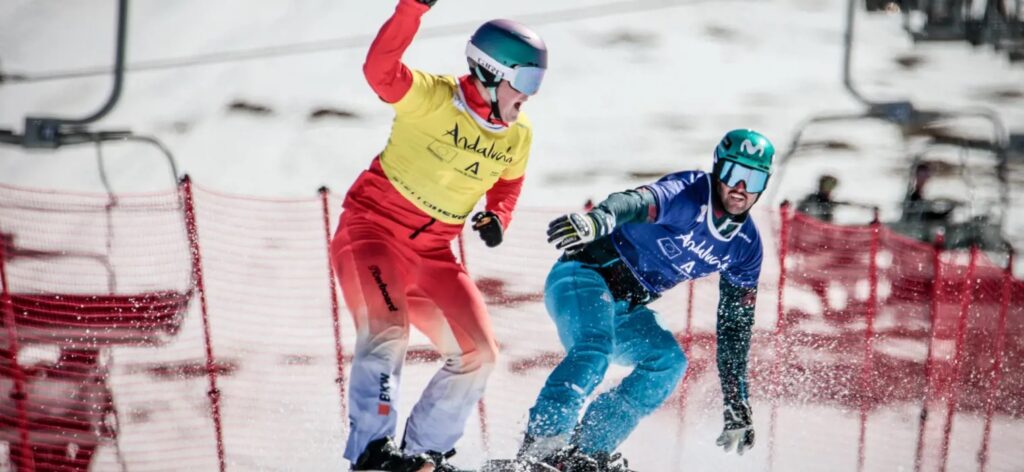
(944, 20)
(977, 225)
(67, 404)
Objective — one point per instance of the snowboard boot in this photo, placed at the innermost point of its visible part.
(613, 462)
(440, 460)
(382, 454)
(541, 448)
(571, 459)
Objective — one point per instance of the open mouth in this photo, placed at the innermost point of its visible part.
(517, 105)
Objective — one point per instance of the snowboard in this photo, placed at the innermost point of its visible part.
(511, 465)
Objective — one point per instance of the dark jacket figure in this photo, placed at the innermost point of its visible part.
(820, 203)
(918, 208)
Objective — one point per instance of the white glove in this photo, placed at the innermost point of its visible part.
(739, 428)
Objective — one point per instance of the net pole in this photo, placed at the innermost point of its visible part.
(997, 364)
(933, 316)
(785, 214)
(481, 405)
(869, 335)
(689, 315)
(961, 332)
(687, 342)
(20, 394)
(339, 351)
(684, 389)
(185, 187)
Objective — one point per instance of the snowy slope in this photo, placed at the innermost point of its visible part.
(636, 89)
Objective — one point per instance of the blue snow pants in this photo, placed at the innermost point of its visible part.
(595, 329)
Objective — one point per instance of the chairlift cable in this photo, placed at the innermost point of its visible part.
(348, 42)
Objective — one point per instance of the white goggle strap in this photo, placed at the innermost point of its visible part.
(499, 70)
(482, 60)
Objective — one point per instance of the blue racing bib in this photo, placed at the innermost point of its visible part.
(682, 243)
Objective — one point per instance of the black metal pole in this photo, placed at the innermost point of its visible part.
(115, 94)
(51, 133)
(848, 52)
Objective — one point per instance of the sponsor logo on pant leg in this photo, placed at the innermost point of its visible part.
(384, 407)
(375, 272)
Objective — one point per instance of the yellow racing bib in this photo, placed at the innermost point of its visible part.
(442, 157)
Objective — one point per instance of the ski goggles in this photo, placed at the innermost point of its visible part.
(732, 173)
(525, 79)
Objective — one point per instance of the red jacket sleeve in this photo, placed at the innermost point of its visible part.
(502, 198)
(383, 69)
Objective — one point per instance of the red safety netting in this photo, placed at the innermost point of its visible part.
(197, 330)
(905, 334)
(83, 274)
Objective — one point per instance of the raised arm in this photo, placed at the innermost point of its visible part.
(384, 70)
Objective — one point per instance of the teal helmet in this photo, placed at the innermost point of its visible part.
(506, 50)
(509, 44)
(744, 155)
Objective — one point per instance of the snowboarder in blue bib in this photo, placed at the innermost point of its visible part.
(619, 257)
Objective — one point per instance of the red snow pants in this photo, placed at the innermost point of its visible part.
(395, 266)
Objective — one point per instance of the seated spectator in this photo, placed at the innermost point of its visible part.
(820, 203)
(918, 208)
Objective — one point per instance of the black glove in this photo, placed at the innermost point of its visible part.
(489, 227)
(428, 3)
(739, 428)
(573, 231)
